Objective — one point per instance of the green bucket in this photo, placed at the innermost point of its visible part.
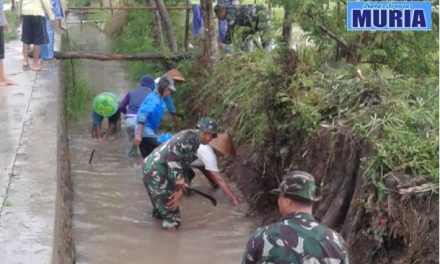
(105, 104)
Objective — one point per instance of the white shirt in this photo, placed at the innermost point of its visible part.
(206, 157)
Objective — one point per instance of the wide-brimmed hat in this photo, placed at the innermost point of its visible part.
(297, 184)
(175, 74)
(223, 143)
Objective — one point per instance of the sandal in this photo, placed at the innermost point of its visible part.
(36, 68)
(26, 67)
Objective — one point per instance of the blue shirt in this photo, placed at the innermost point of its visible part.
(150, 114)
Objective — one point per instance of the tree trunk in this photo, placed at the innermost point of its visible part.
(158, 36)
(168, 25)
(186, 40)
(338, 48)
(287, 27)
(13, 5)
(211, 53)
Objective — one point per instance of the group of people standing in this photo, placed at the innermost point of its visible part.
(38, 19)
(167, 170)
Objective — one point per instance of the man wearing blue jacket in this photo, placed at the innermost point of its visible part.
(150, 116)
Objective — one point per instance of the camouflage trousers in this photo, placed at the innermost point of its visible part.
(160, 189)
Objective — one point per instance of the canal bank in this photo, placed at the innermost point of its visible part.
(28, 157)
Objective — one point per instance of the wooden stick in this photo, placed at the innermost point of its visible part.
(91, 156)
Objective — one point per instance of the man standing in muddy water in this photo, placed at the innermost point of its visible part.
(163, 170)
(297, 237)
(178, 79)
(150, 116)
(129, 106)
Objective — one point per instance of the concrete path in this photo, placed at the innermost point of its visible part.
(28, 131)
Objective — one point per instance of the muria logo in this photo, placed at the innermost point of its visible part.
(389, 16)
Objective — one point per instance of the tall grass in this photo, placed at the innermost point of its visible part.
(398, 115)
(78, 89)
(138, 37)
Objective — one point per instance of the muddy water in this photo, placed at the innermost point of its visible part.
(112, 212)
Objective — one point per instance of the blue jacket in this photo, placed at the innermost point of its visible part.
(150, 114)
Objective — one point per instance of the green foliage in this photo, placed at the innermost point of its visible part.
(411, 52)
(13, 23)
(78, 89)
(137, 37)
(398, 115)
(242, 81)
(99, 15)
(80, 2)
(409, 130)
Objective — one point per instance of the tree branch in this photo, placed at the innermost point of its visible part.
(333, 35)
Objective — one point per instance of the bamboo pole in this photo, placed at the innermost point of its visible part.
(118, 56)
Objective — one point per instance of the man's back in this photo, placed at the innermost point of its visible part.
(297, 238)
(136, 97)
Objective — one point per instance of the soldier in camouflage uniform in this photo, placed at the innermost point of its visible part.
(163, 170)
(254, 17)
(297, 237)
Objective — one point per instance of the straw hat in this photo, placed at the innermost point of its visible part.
(224, 144)
(175, 74)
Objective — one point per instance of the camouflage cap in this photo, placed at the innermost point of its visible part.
(207, 124)
(297, 184)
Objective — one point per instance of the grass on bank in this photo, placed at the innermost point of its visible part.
(78, 89)
(399, 115)
(14, 23)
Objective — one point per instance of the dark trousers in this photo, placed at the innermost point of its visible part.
(147, 146)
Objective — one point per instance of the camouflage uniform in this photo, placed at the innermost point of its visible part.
(255, 17)
(297, 237)
(167, 164)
